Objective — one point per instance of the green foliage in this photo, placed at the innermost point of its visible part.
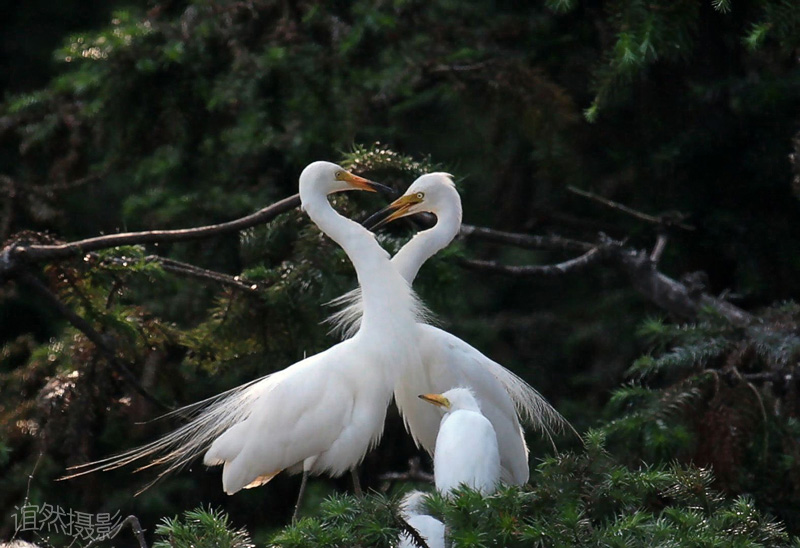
(201, 528)
(583, 499)
(707, 375)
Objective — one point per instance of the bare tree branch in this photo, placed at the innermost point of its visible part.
(14, 255)
(670, 294)
(587, 259)
(414, 473)
(666, 219)
(665, 292)
(192, 271)
(527, 241)
(86, 328)
(658, 249)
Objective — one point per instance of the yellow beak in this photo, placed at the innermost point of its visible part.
(363, 184)
(397, 209)
(436, 399)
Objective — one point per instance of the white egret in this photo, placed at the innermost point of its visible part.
(466, 446)
(449, 361)
(429, 528)
(322, 414)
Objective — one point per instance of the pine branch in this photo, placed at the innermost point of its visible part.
(411, 532)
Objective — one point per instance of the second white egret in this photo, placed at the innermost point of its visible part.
(448, 361)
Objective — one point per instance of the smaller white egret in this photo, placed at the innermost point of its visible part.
(466, 446)
(429, 528)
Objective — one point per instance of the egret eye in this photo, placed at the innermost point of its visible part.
(338, 174)
(420, 195)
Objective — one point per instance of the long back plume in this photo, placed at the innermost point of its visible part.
(346, 321)
(532, 407)
(208, 419)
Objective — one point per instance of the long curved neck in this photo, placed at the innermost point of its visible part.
(427, 243)
(387, 296)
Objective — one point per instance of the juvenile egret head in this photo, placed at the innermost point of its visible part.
(432, 192)
(327, 178)
(455, 399)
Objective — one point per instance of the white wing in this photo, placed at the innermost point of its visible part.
(326, 411)
(310, 409)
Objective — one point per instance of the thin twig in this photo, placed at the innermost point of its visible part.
(85, 327)
(28, 488)
(526, 241)
(587, 259)
(136, 527)
(192, 271)
(663, 220)
(414, 473)
(658, 249)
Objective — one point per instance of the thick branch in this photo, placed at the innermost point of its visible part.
(670, 294)
(16, 254)
(86, 328)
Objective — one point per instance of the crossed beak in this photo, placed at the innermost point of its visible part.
(397, 209)
(364, 184)
(436, 399)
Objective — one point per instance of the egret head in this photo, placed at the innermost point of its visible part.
(453, 400)
(327, 178)
(430, 193)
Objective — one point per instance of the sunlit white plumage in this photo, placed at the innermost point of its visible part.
(320, 415)
(466, 446)
(449, 361)
(430, 529)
